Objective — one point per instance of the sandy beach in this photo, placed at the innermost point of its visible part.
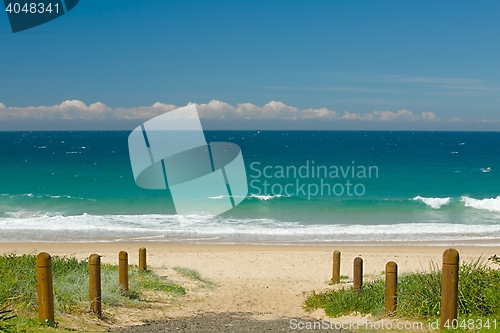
(265, 281)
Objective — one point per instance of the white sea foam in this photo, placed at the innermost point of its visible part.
(27, 214)
(488, 169)
(435, 203)
(41, 196)
(217, 197)
(38, 226)
(267, 197)
(489, 204)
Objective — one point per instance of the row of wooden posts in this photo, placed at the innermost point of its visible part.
(449, 283)
(449, 290)
(45, 285)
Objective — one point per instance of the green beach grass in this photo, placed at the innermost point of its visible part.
(419, 297)
(194, 275)
(18, 290)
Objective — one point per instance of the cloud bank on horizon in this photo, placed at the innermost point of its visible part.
(224, 115)
(78, 110)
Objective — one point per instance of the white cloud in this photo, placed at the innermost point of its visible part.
(279, 110)
(272, 110)
(429, 116)
(73, 109)
(401, 115)
(78, 110)
(142, 112)
(352, 116)
(322, 113)
(485, 121)
(214, 109)
(388, 115)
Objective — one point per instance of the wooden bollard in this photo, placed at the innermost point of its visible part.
(336, 267)
(142, 259)
(45, 287)
(95, 284)
(391, 286)
(358, 274)
(449, 288)
(123, 271)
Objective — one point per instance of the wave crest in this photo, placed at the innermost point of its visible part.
(435, 203)
(489, 204)
(267, 197)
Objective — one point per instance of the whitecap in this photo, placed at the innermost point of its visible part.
(490, 204)
(217, 197)
(267, 197)
(435, 203)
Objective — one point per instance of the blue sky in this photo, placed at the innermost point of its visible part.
(369, 64)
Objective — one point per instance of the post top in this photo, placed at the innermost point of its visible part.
(358, 261)
(336, 252)
(391, 267)
(451, 256)
(94, 259)
(123, 255)
(43, 259)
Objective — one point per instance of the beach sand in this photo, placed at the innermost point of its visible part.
(265, 281)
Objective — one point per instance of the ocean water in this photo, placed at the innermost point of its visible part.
(305, 187)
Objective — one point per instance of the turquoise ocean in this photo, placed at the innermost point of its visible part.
(305, 187)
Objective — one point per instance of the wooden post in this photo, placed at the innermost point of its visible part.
(449, 289)
(45, 287)
(123, 271)
(358, 274)
(336, 267)
(95, 284)
(391, 286)
(142, 259)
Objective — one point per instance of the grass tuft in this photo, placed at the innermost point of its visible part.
(149, 280)
(6, 316)
(346, 301)
(194, 275)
